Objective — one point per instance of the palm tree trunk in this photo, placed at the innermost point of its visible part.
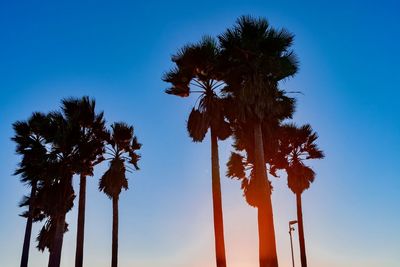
(266, 230)
(28, 229)
(114, 257)
(55, 254)
(217, 203)
(81, 222)
(303, 257)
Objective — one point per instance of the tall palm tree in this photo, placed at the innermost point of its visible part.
(90, 149)
(197, 68)
(256, 58)
(122, 147)
(297, 144)
(63, 135)
(31, 145)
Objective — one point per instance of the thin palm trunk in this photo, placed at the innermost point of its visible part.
(303, 257)
(266, 231)
(28, 229)
(114, 256)
(55, 253)
(81, 222)
(217, 204)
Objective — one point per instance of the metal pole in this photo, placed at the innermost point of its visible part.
(291, 243)
(291, 228)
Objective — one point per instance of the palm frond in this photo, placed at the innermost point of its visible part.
(197, 125)
(236, 166)
(114, 180)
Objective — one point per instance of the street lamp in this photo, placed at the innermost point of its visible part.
(291, 229)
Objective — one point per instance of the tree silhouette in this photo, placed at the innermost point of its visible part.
(58, 193)
(48, 145)
(256, 57)
(122, 147)
(32, 147)
(90, 149)
(297, 144)
(197, 68)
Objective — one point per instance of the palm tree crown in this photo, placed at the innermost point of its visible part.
(197, 67)
(255, 57)
(32, 146)
(122, 151)
(297, 145)
(80, 112)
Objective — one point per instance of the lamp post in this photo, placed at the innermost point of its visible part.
(291, 229)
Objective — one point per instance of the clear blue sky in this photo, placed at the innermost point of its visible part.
(116, 52)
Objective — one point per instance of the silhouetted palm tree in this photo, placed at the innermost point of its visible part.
(256, 57)
(197, 67)
(48, 143)
(31, 145)
(297, 144)
(90, 149)
(63, 135)
(122, 146)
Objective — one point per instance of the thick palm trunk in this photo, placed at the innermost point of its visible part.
(303, 257)
(266, 231)
(28, 229)
(55, 254)
(65, 191)
(81, 222)
(217, 204)
(114, 256)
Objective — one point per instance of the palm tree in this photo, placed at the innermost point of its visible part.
(90, 148)
(63, 135)
(256, 58)
(31, 145)
(48, 145)
(197, 66)
(122, 146)
(297, 144)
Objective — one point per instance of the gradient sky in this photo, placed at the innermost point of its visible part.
(117, 53)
